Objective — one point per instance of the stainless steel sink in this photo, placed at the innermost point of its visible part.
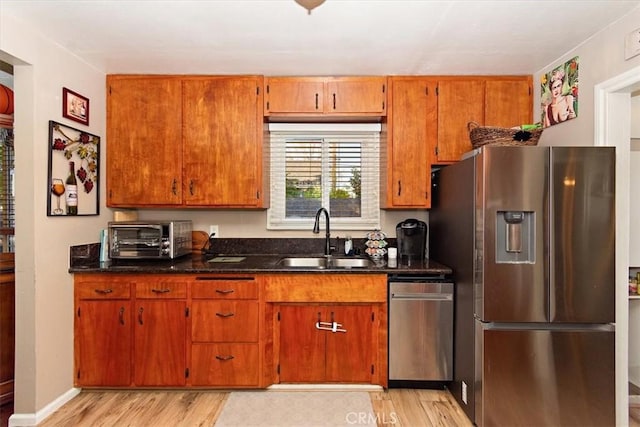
(323, 262)
(320, 262)
(350, 263)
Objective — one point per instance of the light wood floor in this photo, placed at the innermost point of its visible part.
(396, 407)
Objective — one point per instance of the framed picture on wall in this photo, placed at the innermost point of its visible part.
(75, 106)
(74, 159)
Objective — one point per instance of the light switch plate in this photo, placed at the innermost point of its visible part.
(632, 44)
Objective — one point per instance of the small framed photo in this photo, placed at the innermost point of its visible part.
(75, 106)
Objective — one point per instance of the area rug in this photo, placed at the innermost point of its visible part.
(297, 409)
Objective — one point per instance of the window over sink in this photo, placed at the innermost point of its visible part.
(335, 166)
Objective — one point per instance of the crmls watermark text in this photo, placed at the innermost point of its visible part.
(367, 418)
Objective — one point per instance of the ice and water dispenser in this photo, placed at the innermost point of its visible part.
(515, 237)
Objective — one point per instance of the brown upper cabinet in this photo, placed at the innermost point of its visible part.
(193, 141)
(502, 101)
(427, 124)
(411, 129)
(325, 96)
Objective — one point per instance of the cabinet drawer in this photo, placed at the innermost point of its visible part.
(160, 289)
(224, 321)
(224, 287)
(103, 290)
(224, 365)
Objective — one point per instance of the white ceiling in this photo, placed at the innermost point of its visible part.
(278, 37)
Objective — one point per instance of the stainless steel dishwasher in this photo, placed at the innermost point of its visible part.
(420, 329)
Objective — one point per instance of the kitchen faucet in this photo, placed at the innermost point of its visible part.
(316, 230)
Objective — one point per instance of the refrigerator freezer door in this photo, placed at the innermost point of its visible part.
(582, 286)
(511, 287)
(547, 378)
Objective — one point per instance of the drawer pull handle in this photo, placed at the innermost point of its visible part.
(104, 291)
(225, 314)
(140, 315)
(225, 291)
(224, 357)
(121, 315)
(160, 291)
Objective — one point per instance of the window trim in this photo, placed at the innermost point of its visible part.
(370, 187)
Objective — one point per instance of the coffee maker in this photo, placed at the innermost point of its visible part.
(411, 235)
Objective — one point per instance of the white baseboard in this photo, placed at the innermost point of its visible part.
(28, 420)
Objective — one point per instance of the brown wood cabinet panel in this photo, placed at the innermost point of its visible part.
(412, 130)
(224, 321)
(459, 102)
(223, 141)
(103, 289)
(309, 354)
(302, 346)
(103, 343)
(144, 130)
(356, 95)
(508, 102)
(216, 287)
(294, 95)
(7, 334)
(160, 343)
(161, 287)
(350, 354)
(326, 287)
(225, 365)
(350, 96)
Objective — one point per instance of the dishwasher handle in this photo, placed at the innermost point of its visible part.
(429, 297)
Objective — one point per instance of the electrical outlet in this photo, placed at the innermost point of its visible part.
(213, 229)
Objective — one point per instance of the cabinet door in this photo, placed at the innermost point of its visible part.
(144, 130)
(349, 355)
(103, 334)
(508, 103)
(224, 321)
(412, 131)
(294, 95)
(223, 142)
(356, 95)
(160, 343)
(302, 346)
(459, 102)
(225, 364)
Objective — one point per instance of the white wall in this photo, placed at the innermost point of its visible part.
(44, 289)
(635, 115)
(602, 59)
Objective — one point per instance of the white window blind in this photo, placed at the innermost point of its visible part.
(335, 166)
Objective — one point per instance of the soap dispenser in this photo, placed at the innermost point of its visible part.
(348, 246)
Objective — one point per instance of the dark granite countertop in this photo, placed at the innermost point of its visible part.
(251, 264)
(84, 259)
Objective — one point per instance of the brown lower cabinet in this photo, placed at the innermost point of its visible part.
(309, 354)
(302, 353)
(228, 330)
(7, 327)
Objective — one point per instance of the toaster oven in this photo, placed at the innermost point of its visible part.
(149, 239)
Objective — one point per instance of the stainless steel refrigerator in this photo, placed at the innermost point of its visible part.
(530, 233)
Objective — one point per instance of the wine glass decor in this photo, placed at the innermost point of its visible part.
(57, 189)
(73, 153)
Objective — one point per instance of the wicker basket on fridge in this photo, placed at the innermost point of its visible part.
(487, 135)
